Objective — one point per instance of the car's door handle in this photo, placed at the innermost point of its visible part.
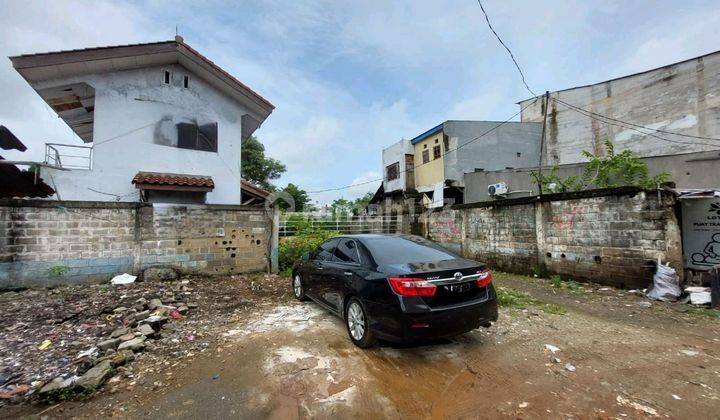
(348, 273)
(319, 267)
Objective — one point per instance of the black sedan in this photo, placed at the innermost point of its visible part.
(396, 287)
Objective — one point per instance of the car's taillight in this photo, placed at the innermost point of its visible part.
(408, 286)
(484, 279)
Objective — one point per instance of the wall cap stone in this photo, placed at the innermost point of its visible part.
(573, 195)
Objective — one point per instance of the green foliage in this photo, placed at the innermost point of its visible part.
(517, 299)
(293, 247)
(342, 208)
(360, 204)
(302, 201)
(614, 170)
(571, 285)
(57, 271)
(298, 224)
(256, 167)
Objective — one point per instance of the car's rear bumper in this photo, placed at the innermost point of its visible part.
(389, 322)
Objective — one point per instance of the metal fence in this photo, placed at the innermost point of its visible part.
(69, 156)
(292, 223)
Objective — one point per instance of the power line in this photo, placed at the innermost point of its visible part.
(635, 125)
(425, 163)
(98, 143)
(590, 115)
(522, 75)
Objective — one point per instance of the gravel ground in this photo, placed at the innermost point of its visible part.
(43, 332)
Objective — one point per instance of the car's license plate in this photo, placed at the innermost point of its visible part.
(458, 288)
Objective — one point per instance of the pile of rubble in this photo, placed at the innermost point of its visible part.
(58, 343)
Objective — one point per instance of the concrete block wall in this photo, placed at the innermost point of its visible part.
(45, 243)
(611, 238)
(504, 236)
(615, 240)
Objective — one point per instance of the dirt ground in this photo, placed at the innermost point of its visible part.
(617, 358)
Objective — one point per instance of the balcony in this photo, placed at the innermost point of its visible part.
(69, 156)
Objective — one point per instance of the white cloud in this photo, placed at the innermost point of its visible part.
(349, 78)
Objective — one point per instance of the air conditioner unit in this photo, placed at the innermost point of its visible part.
(498, 189)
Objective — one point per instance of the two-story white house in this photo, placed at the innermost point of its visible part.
(161, 123)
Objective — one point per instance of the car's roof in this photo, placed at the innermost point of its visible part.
(362, 236)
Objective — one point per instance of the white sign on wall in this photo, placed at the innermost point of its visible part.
(701, 232)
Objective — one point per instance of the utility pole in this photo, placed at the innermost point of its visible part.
(546, 104)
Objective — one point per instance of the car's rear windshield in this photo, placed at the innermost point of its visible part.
(403, 250)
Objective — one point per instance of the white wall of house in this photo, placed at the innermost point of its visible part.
(134, 130)
(396, 153)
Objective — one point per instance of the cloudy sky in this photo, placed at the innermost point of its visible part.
(350, 77)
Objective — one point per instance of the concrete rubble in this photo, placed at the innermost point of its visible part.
(68, 341)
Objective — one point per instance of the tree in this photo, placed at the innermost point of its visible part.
(341, 208)
(360, 204)
(302, 201)
(611, 171)
(255, 167)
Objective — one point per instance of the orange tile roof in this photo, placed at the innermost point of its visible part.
(157, 178)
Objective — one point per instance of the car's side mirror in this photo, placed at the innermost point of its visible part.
(305, 256)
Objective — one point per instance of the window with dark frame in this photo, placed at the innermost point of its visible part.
(392, 171)
(198, 137)
(347, 252)
(446, 143)
(437, 152)
(426, 156)
(167, 77)
(186, 81)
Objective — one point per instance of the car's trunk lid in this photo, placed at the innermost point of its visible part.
(452, 288)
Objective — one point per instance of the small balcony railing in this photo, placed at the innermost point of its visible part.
(69, 156)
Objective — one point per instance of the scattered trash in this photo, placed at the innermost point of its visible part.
(556, 360)
(639, 407)
(552, 348)
(689, 352)
(523, 404)
(123, 279)
(699, 295)
(215, 376)
(175, 315)
(676, 397)
(51, 338)
(570, 367)
(665, 285)
(644, 304)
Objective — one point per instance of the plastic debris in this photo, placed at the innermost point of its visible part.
(699, 295)
(552, 348)
(639, 407)
(665, 285)
(45, 344)
(123, 279)
(689, 352)
(676, 397)
(570, 367)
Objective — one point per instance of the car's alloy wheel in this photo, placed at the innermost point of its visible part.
(357, 325)
(356, 321)
(298, 288)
